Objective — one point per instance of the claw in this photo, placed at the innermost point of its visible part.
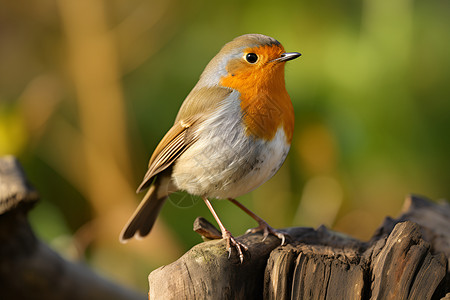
(263, 226)
(232, 242)
(267, 229)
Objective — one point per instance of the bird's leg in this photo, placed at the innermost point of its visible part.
(263, 226)
(231, 241)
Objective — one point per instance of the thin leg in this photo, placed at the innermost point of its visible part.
(231, 241)
(266, 228)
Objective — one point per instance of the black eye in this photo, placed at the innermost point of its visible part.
(251, 58)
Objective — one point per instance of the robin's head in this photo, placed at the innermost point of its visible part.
(248, 59)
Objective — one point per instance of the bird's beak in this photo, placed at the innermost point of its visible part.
(286, 56)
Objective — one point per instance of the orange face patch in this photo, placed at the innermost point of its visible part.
(265, 102)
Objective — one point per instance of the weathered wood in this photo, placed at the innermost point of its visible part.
(404, 267)
(433, 219)
(227, 278)
(29, 269)
(322, 273)
(206, 229)
(407, 258)
(328, 267)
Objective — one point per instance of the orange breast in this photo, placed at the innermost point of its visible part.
(265, 103)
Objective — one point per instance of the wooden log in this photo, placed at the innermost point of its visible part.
(29, 269)
(407, 258)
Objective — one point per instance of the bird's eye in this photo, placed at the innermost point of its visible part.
(251, 58)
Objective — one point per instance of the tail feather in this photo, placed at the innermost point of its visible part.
(141, 222)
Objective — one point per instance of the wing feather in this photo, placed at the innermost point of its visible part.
(174, 143)
(197, 106)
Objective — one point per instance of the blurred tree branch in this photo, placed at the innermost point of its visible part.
(29, 268)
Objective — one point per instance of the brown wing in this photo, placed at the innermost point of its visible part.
(199, 103)
(173, 144)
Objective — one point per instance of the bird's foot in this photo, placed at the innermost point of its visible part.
(232, 242)
(267, 229)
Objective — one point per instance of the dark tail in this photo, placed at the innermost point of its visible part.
(141, 223)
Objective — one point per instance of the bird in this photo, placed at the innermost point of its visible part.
(232, 133)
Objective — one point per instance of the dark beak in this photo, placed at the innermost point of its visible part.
(287, 56)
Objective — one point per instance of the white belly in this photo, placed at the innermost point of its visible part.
(226, 162)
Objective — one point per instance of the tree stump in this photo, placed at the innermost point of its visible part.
(407, 258)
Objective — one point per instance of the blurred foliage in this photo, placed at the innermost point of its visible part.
(89, 87)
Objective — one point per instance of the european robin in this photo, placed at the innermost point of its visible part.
(232, 133)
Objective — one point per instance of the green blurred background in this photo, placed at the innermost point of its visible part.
(89, 87)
